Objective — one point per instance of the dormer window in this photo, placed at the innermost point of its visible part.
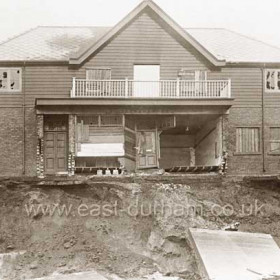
(10, 79)
(272, 80)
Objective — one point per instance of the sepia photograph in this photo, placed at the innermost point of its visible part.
(139, 140)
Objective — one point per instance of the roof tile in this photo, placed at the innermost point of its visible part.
(58, 43)
(234, 47)
(49, 43)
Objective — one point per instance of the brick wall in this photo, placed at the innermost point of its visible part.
(272, 118)
(251, 164)
(30, 141)
(11, 141)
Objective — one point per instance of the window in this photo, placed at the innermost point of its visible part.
(10, 79)
(272, 80)
(195, 85)
(98, 74)
(99, 136)
(108, 120)
(274, 140)
(248, 140)
(96, 86)
(101, 120)
(192, 75)
(89, 120)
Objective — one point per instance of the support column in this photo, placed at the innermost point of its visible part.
(225, 139)
(40, 146)
(71, 144)
(192, 156)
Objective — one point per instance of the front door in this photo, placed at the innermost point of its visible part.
(55, 143)
(147, 149)
(55, 152)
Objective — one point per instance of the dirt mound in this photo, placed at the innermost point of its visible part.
(130, 226)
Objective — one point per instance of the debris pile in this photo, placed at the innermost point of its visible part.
(129, 244)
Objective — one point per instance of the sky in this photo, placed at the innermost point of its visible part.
(259, 19)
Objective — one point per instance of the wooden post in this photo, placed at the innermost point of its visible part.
(71, 144)
(178, 87)
(126, 87)
(123, 120)
(192, 156)
(73, 91)
(229, 88)
(40, 145)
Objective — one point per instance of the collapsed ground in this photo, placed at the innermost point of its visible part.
(121, 239)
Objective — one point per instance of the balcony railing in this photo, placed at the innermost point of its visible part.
(182, 89)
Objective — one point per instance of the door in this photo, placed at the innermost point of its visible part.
(55, 152)
(146, 149)
(146, 80)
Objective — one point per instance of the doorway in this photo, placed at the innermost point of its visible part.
(55, 152)
(147, 149)
(146, 80)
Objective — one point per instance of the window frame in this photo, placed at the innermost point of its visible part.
(273, 141)
(194, 72)
(276, 90)
(259, 145)
(98, 68)
(20, 80)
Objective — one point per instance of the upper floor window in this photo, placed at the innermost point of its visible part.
(274, 140)
(272, 80)
(98, 74)
(10, 79)
(192, 75)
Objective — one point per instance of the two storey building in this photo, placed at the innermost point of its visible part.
(145, 93)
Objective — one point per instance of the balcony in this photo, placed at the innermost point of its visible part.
(163, 89)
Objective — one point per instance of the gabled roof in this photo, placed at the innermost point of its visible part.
(81, 56)
(49, 43)
(75, 44)
(234, 47)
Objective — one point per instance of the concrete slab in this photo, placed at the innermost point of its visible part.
(93, 275)
(7, 256)
(88, 275)
(226, 255)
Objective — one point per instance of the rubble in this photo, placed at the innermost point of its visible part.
(128, 246)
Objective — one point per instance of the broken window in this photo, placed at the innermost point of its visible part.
(247, 140)
(272, 80)
(275, 140)
(101, 120)
(88, 120)
(10, 79)
(99, 136)
(108, 120)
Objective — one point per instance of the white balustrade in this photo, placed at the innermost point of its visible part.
(182, 89)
